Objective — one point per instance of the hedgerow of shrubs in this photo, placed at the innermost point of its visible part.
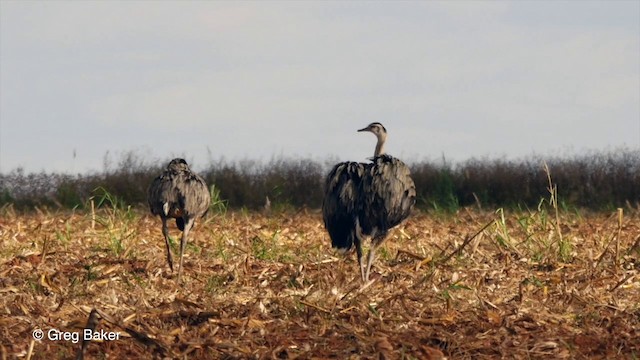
(596, 180)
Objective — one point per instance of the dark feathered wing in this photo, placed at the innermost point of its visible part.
(194, 196)
(185, 193)
(160, 192)
(388, 194)
(340, 205)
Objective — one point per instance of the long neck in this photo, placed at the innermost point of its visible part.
(380, 145)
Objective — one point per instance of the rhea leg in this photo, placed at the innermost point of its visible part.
(359, 253)
(375, 242)
(357, 238)
(188, 224)
(165, 233)
(370, 258)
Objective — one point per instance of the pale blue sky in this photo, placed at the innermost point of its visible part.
(256, 79)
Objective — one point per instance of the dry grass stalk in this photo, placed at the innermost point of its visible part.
(636, 245)
(465, 242)
(617, 252)
(615, 239)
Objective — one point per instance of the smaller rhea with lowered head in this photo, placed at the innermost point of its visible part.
(367, 199)
(181, 194)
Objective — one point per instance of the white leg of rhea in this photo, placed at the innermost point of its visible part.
(365, 273)
(188, 224)
(375, 242)
(165, 232)
(370, 257)
(358, 238)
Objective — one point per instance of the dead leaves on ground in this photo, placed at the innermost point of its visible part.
(270, 287)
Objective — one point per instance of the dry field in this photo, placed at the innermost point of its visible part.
(472, 285)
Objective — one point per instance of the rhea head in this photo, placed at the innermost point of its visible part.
(178, 164)
(380, 132)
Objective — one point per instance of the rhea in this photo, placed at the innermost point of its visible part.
(367, 199)
(181, 194)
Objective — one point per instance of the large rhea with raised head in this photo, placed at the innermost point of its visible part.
(181, 194)
(367, 199)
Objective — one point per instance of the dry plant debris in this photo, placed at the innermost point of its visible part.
(472, 285)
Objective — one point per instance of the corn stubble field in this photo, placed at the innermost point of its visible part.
(469, 285)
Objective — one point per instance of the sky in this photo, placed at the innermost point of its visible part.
(211, 80)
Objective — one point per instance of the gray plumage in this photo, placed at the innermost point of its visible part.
(367, 199)
(181, 194)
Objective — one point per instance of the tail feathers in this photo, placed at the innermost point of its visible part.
(180, 223)
(343, 236)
